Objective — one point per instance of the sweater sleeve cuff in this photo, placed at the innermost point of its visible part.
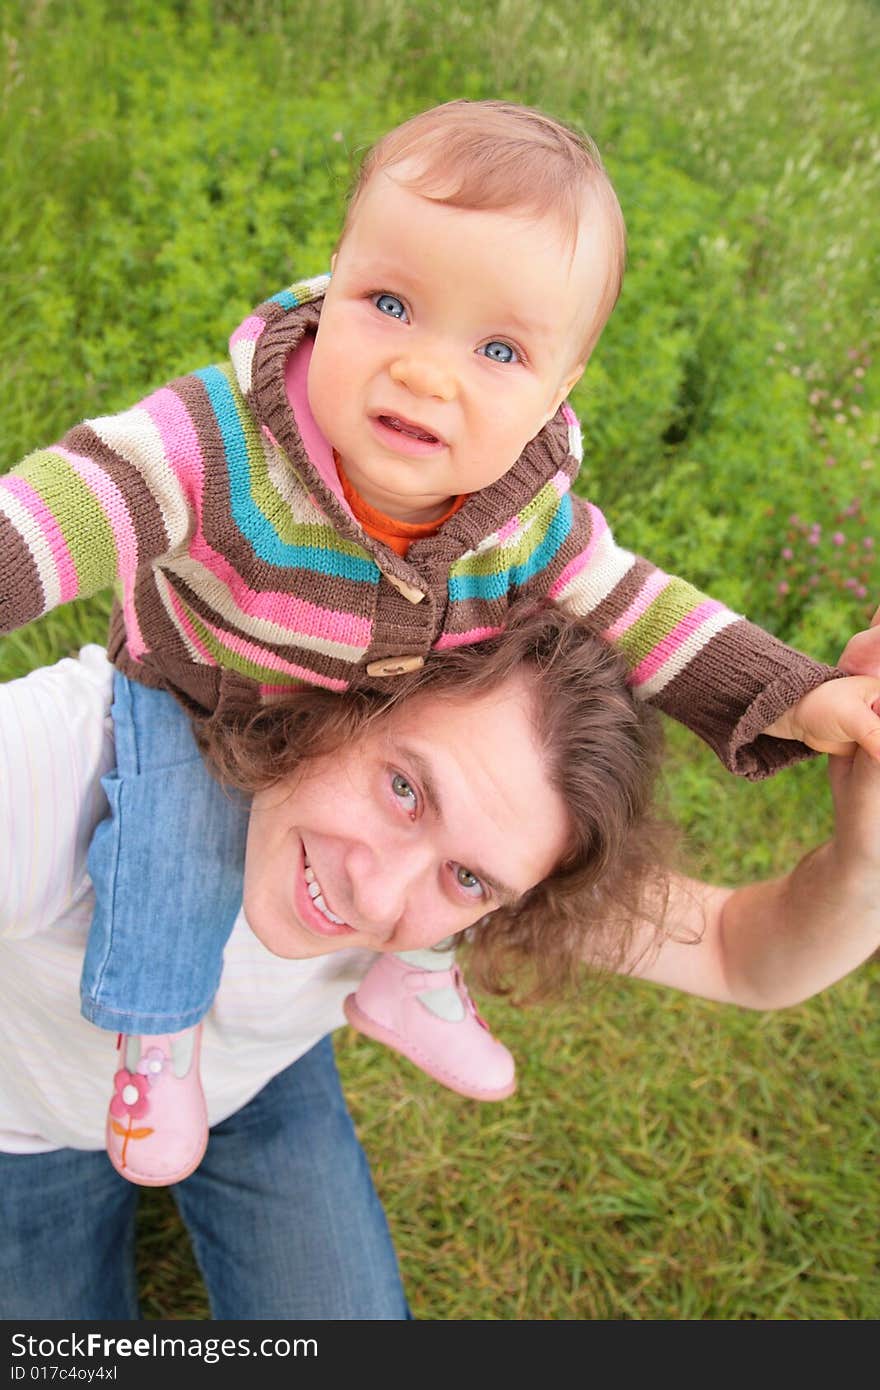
(728, 701)
(753, 754)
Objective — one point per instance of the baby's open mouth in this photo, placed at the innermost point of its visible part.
(393, 422)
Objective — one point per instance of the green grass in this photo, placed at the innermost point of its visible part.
(166, 166)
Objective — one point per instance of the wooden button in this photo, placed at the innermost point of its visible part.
(409, 591)
(395, 665)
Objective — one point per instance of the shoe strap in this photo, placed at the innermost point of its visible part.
(176, 1050)
(420, 981)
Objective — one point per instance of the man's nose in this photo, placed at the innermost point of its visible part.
(385, 880)
(425, 372)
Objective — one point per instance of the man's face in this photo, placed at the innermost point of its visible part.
(447, 338)
(440, 812)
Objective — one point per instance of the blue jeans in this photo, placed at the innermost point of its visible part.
(167, 867)
(283, 1216)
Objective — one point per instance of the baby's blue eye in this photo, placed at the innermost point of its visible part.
(389, 304)
(499, 352)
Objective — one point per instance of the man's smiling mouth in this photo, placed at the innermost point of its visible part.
(317, 896)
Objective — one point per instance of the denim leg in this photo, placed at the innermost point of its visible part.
(283, 1215)
(167, 867)
(67, 1246)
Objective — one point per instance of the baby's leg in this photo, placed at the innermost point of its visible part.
(418, 1003)
(167, 867)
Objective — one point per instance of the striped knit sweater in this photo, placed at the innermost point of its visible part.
(214, 508)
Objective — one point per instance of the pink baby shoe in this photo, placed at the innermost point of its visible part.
(157, 1123)
(460, 1053)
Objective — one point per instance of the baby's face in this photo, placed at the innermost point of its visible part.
(447, 338)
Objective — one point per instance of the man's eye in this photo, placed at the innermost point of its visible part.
(389, 304)
(404, 791)
(468, 881)
(499, 352)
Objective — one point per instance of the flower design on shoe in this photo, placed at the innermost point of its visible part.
(152, 1065)
(131, 1095)
(129, 1103)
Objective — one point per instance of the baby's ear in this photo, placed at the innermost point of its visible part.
(568, 385)
(572, 379)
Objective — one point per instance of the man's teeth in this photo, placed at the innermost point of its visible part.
(317, 896)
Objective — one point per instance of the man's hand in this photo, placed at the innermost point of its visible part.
(861, 655)
(855, 847)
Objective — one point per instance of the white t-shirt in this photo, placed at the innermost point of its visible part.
(56, 741)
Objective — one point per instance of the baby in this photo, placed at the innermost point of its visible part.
(385, 463)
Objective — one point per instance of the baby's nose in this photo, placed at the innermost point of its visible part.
(424, 375)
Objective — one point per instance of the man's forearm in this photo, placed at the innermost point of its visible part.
(766, 945)
(784, 941)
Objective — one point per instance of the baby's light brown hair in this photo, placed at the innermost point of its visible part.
(499, 156)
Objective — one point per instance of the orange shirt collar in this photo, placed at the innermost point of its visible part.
(397, 535)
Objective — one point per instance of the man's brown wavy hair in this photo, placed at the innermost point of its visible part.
(602, 751)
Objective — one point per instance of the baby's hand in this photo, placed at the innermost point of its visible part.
(837, 717)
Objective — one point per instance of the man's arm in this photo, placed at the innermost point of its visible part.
(771, 945)
(56, 742)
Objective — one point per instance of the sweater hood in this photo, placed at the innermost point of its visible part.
(260, 348)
